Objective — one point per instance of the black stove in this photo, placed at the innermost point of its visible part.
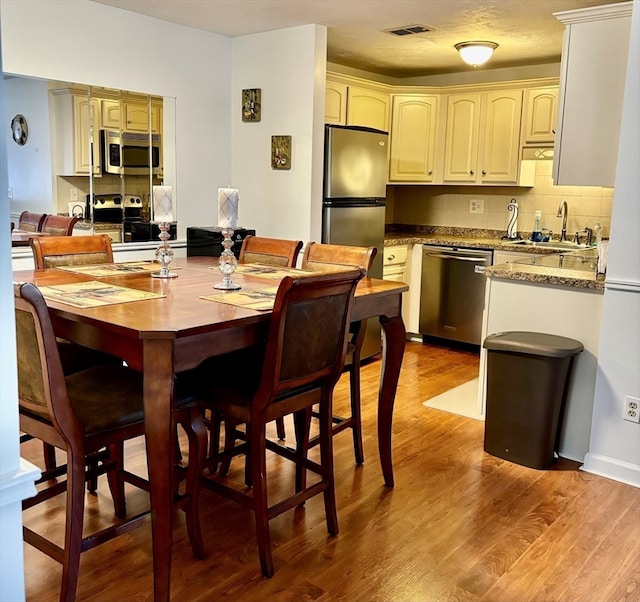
(207, 240)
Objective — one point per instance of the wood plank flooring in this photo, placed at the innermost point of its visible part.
(459, 525)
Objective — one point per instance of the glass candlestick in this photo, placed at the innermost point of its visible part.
(227, 263)
(164, 253)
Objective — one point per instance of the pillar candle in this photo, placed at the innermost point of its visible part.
(227, 207)
(162, 204)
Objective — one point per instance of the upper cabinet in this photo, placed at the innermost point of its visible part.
(349, 104)
(592, 78)
(413, 138)
(482, 142)
(132, 115)
(540, 115)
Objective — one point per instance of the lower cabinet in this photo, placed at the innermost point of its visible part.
(397, 266)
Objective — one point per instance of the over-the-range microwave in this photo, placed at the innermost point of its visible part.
(130, 153)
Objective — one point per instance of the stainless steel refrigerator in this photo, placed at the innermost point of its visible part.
(353, 212)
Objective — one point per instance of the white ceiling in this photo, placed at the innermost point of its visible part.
(525, 30)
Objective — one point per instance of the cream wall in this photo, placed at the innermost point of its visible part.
(449, 206)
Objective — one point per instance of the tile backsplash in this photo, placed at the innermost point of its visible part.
(449, 205)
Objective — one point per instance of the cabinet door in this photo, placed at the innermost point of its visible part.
(368, 108)
(461, 143)
(335, 105)
(540, 114)
(86, 114)
(111, 114)
(136, 117)
(413, 138)
(500, 154)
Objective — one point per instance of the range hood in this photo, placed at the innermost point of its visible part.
(537, 153)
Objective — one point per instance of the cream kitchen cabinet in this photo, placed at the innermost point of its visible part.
(135, 116)
(75, 133)
(335, 108)
(111, 114)
(351, 104)
(592, 80)
(482, 143)
(540, 115)
(413, 138)
(396, 266)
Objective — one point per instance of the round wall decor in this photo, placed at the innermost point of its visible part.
(19, 129)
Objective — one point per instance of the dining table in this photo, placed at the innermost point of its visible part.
(179, 328)
(20, 238)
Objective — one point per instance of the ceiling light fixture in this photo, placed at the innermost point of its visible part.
(476, 53)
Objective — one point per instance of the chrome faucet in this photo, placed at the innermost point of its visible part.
(562, 212)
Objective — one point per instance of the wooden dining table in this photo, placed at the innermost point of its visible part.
(164, 336)
(20, 238)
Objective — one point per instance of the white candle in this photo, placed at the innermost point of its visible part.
(162, 204)
(227, 207)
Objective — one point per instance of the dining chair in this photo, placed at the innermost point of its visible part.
(90, 412)
(59, 225)
(55, 251)
(300, 364)
(31, 222)
(267, 251)
(321, 257)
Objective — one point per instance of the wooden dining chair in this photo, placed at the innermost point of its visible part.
(267, 251)
(321, 257)
(55, 251)
(300, 365)
(59, 225)
(31, 222)
(90, 412)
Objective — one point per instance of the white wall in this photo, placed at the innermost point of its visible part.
(29, 97)
(614, 450)
(65, 41)
(289, 66)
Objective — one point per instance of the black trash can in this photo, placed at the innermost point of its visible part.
(527, 376)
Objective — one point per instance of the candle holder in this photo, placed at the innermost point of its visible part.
(227, 264)
(164, 253)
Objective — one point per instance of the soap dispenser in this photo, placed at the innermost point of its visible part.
(597, 233)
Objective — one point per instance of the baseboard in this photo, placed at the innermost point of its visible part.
(611, 468)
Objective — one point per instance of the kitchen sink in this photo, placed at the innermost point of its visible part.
(564, 245)
(586, 262)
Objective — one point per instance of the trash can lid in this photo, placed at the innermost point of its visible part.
(533, 343)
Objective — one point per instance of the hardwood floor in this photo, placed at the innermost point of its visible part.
(459, 525)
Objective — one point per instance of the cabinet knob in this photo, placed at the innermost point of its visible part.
(430, 172)
(471, 172)
(553, 131)
(484, 172)
(391, 257)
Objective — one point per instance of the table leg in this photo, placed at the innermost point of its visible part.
(158, 394)
(394, 342)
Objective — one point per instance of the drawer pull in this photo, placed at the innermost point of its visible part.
(391, 257)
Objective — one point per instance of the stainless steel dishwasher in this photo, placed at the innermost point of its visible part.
(452, 293)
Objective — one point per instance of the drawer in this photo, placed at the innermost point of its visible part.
(394, 255)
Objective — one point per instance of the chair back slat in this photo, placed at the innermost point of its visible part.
(270, 251)
(54, 251)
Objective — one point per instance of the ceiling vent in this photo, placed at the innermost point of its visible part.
(408, 30)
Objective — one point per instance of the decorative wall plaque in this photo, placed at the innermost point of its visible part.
(251, 102)
(281, 152)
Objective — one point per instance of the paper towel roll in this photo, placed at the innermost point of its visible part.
(162, 204)
(227, 207)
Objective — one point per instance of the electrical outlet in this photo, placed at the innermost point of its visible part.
(10, 193)
(632, 409)
(476, 206)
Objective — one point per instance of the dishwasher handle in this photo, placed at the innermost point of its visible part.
(457, 257)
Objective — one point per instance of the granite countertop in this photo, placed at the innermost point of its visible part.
(549, 272)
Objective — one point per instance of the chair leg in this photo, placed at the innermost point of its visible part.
(49, 453)
(258, 452)
(326, 463)
(302, 424)
(73, 526)
(356, 413)
(280, 429)
(197, 436)
(115, 480)
(214, 440)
